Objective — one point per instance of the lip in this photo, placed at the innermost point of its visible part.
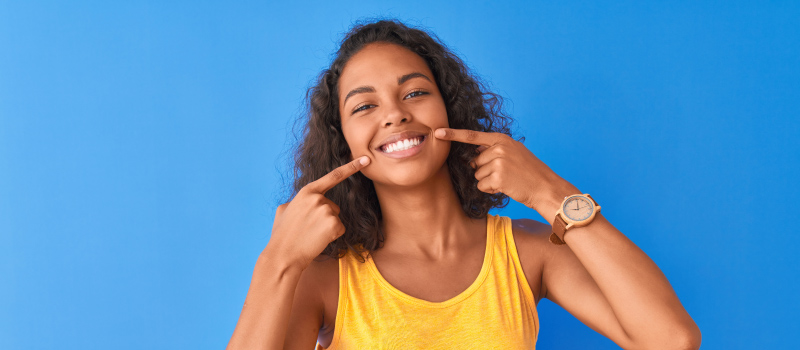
(406, 153)
(408, 134)
(402, 136)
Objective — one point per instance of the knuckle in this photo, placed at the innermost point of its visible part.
(317, 199)
(471, 135)
(337, 174)
(333, 222)
(333, 211)
(303, 190)
(336, 228)
(308, 189)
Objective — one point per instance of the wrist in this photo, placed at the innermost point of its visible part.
(550, 201)
(274, 258)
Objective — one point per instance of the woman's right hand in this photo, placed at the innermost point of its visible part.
(310, 221)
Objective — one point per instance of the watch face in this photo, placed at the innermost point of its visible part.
(578, 208)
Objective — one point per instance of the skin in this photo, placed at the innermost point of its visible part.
(600, 276)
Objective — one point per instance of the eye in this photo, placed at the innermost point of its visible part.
(415, 93)
(363, 107)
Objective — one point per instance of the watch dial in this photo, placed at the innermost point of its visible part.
(578, 208)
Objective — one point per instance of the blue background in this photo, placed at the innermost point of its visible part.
(142, 149)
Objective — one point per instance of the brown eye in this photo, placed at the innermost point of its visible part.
(363, 108)
(415, 94)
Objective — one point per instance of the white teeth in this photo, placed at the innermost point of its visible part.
(402, 145)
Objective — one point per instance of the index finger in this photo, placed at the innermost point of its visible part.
(467, 136)
(333, 178)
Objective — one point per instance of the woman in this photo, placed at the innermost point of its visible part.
(403, 156)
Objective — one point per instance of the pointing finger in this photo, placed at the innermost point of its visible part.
(466, 136)
(325, 183)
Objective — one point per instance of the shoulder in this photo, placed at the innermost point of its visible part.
(323, 270)
(322, 277)
(529, 227)
(530, 234)
(310, 306)
(531, 238)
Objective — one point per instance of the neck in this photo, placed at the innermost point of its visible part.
(426, 219)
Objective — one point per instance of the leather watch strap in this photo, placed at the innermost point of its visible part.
(559, 227)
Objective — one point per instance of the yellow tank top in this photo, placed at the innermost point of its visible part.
(497, 311)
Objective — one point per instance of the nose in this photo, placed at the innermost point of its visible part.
(396, 115)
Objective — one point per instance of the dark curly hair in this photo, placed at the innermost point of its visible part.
(324, 148)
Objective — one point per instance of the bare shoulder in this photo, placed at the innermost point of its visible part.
(324, 277)
(532, 241)
(557, 262)
(323, 271)
(531, 235)
(308, 323)
(530, 227)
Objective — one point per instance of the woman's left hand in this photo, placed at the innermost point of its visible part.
(506, 165)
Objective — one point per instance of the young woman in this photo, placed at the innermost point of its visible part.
(404, 153)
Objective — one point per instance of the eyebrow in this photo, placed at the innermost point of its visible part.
(409, 76)
(400, 81)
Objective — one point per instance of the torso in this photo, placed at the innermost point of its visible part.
(441, 280)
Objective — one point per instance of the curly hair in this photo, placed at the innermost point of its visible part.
(323, 147)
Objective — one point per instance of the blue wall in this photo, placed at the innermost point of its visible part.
(142, 147)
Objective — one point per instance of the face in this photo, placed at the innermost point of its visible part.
(389, 107)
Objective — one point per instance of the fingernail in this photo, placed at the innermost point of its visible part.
(364, 160)
(439, 133)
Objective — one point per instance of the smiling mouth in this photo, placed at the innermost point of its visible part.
(402, 145)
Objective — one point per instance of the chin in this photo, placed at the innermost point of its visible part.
(409, 179)
(407, 175)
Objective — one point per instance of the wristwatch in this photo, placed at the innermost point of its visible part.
(576, 210)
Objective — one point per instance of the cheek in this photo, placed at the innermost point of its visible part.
(438, 115)
(357, 137)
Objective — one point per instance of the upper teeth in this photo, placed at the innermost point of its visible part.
(402, 145)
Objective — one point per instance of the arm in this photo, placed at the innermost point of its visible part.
(264, 321)
(301, 229)
(601, 277)
(611, 285)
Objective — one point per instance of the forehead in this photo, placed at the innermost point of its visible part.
(380, 63)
